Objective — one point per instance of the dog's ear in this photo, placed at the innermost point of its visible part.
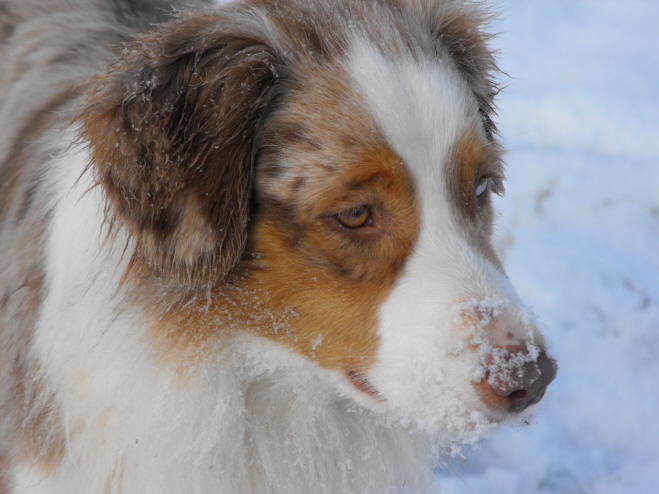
(172, 129)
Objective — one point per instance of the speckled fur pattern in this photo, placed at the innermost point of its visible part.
(248, 249)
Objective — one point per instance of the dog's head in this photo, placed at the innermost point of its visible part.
(324, 171)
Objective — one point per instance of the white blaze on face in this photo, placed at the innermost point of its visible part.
(427, 362)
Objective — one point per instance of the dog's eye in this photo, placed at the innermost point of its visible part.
(482, 186)
(354, 217)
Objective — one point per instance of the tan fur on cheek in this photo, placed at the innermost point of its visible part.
(336, 322)
(304, 310)
(312, 285)
(335, 279)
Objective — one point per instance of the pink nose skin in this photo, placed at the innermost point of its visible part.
(514, 388)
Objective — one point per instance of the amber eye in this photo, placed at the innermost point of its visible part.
(354, 217)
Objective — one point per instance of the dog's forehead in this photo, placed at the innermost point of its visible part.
(423, 107)
(414, 111)
(321, 131)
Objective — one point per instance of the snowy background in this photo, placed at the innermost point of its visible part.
(579, 233)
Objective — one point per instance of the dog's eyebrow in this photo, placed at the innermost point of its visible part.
(363, 182)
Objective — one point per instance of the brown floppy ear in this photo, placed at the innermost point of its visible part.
(171, 128)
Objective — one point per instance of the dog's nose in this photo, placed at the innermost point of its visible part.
(520, 384)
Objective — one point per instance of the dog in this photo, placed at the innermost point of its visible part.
(248, 248)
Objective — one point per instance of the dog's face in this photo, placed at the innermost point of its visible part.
(333, 195)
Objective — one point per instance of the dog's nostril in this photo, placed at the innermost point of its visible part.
(518, 395)
(512, 390)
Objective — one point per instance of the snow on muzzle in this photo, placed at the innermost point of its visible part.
(459, 353)
(517, 369)
(514, 388)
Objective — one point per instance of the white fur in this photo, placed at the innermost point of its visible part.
(424, 369)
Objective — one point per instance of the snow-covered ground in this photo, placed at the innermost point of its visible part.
(579, 233)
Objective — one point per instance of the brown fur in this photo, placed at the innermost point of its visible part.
(312, 279)
(177, 165)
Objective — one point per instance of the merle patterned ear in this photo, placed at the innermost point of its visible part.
(171, 128)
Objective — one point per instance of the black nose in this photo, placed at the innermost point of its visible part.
(514, 381)
(522, 386)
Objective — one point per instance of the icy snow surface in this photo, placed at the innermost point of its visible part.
(579, 234)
